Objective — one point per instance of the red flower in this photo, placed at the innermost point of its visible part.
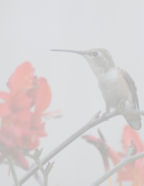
(21, 112)
(132, 144)
(102, 147)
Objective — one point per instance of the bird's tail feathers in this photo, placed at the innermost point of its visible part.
(133, 118)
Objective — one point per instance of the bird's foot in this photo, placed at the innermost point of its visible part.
(97, 116)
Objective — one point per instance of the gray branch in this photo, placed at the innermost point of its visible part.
(124, 162)
(92, 123)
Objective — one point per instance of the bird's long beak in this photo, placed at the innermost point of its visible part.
(65, 50)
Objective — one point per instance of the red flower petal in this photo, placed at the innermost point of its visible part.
(20, 159)
(4, 95)
(129, 136)
(22, 78)
(43, 95)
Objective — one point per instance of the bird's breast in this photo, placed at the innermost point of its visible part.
(110, 78)
(113, 87)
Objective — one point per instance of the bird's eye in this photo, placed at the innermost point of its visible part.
(94, 53)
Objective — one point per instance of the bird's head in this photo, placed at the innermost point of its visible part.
(99, 59)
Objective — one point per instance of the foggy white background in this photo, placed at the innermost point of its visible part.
(30, 28)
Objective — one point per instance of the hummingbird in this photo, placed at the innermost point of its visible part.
(117, 87)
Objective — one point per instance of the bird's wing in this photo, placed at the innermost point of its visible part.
(132, 87)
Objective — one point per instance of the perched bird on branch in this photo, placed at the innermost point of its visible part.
(117, 87)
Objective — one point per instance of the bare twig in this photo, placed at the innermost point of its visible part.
(13, 172)
(92, 123)
(124, 162)
(38, 179)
